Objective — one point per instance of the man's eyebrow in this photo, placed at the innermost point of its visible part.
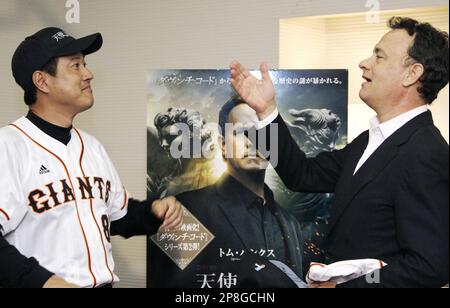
(379, 50)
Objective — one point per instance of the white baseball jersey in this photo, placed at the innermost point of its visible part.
(57, 202)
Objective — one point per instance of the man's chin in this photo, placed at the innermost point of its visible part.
(363, 95)
(87, 106)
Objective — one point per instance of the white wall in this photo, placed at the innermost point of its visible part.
(345, 40)
(141, 35)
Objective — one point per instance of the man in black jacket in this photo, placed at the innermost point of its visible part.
(391, 182)
(240, 211)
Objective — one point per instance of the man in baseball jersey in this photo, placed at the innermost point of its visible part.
(61, 198)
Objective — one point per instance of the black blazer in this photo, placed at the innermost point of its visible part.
(395, 208)
(211, 206)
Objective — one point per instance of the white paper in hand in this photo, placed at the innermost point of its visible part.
(342, 271)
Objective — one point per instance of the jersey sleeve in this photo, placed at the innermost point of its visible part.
(13, 206)
(117, 200)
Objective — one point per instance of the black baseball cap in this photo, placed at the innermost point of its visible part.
(38, 49)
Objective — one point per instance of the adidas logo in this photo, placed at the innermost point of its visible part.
(43, 170)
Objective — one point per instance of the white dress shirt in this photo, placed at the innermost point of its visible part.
(378, 132)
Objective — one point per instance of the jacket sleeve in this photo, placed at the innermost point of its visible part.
(299, 173)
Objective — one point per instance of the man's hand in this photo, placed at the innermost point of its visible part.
(56, 282)
(322, 285)
(169, 210)
(258, 94)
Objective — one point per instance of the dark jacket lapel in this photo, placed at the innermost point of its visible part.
(350, 185)
(226, 188)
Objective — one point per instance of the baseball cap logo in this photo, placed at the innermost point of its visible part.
(59, 36)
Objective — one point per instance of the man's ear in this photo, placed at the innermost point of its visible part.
(413, 75)
(40, 80)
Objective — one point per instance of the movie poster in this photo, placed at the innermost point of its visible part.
(312, 102)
